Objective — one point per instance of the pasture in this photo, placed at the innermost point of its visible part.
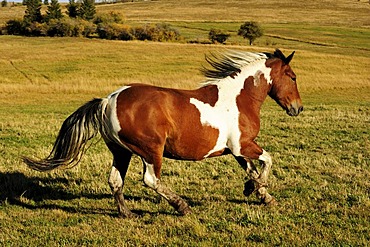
(320, 173)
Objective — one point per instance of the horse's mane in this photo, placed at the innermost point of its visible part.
(226, 64)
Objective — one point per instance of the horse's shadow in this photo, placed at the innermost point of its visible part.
(44, 193)
(38, 193)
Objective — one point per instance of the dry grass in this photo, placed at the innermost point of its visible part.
(343, 12)
(335, 13)
(76, 65)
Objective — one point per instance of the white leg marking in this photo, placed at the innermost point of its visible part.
(252, 170)
(149, 177)
(267, 163)
(115, 180)
(265, 157)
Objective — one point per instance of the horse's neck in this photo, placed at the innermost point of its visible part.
(249, 94)
(253, 90)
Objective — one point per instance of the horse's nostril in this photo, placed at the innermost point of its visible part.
(300, 109)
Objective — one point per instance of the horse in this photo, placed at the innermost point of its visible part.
(220, 117)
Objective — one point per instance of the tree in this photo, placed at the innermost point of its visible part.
(72, 9)
(33, 11)
(216, 35)
(4, 3)
(54, 11)
(87, 10)
(250, 30)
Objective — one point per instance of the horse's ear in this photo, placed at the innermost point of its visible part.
(289, 58)
(279, 54)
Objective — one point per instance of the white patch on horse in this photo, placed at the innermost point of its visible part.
(118, 91)
(265, 71)
(265, 157)
(209, 117)
(112, 115)
(149, 176)
(266, 74)
(115, 179)
(224, 115)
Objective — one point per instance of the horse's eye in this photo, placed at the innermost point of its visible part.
(293, 79)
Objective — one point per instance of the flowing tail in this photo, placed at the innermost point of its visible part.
(84, 124)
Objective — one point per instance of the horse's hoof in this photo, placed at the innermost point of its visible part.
(128, 215)
(249, 187)
(185, 211)
(272, 202)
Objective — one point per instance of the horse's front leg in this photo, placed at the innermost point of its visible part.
(251, 185)
(258, 181)
(266, 164)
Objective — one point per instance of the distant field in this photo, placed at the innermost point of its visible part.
(340, 13)
(320, 159)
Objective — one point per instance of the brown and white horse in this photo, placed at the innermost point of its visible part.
(221, 117)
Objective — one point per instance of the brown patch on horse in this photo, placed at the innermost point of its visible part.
(249, 103)
(170, 126)
(275, 64)
(207, 94)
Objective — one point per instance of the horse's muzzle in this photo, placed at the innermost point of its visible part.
(294, 110)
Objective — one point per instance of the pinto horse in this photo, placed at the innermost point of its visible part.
(221, 117)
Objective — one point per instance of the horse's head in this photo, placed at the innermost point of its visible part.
(284, 86)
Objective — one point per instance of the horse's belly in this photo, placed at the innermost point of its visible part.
(202, 143)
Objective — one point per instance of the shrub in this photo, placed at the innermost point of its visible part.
(112, 17)
(64, 28)
(21, 27)
(69, 28)
(158, 32)
(114, 31)
(142, 33)
(14, 27)
(126, 33)
(59, 28)
(87, 28)
(35, 29)
(166, 33)
(218, 36)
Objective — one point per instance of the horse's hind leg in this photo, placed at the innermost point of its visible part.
(121, 160)
(151, 179)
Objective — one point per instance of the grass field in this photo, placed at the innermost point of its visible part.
(321, 159)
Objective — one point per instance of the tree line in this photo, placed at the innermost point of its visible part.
(82, 20)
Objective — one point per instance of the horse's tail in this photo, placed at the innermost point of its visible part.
(85, 123)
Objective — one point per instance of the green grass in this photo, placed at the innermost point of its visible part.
(320, 158)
